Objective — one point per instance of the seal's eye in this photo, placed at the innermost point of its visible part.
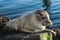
(43, 17)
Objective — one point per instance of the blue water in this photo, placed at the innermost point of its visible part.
(16, 8)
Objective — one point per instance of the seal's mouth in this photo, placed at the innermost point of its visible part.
(44, 24)
(47, 24)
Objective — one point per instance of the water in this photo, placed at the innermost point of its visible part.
(16, 8)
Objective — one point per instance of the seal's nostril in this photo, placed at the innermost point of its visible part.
(49, 22)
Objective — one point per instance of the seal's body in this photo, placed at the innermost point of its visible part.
(35, 22)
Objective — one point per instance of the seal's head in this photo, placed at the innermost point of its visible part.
(43, 17)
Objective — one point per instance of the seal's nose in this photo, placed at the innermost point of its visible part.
(50, 24)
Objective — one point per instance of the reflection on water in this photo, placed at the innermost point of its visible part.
(15, 8)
